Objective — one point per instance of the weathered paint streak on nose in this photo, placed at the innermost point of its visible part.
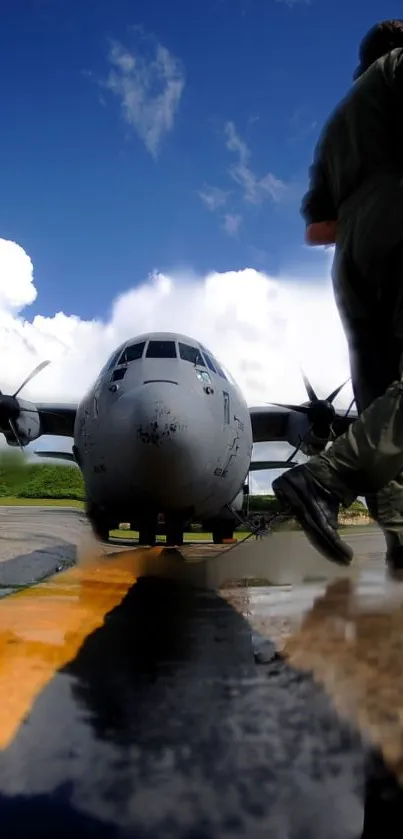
(159, 417)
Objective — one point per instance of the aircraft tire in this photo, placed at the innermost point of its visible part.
(225, 530)
(148, 532)
(174, 537)
(147, 538)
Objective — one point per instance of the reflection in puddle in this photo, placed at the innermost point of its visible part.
(356, 651)
(349, 635)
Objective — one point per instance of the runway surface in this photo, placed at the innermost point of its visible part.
(153, 708)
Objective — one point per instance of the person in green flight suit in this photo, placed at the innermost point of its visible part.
(355, 200)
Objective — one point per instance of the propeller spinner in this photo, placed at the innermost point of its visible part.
(320, 413)
(10, 406)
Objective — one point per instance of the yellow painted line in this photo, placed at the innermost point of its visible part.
(43, 627)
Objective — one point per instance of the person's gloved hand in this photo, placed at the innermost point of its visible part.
(321, 233)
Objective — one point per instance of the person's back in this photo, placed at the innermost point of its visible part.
(357, 175)
(364, 136)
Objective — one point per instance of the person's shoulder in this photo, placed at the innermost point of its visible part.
(390, 66)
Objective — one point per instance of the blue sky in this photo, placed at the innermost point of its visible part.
(208, 179)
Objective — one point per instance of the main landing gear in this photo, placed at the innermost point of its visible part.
(222, 533)
(147, 526)
(148, 529)
(222, 529)
(174, 531)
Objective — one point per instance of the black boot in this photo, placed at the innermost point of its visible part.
(316, 509)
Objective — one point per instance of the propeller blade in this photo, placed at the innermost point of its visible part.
(31, 376)
(300, 409)
(15, 432)
(290, 459)
(336, 392)
(301, 443)
(349, 408)
(309, 389)
(261, 465)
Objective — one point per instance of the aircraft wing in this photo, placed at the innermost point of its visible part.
(261, 465)
(270, 423)
(57, 419)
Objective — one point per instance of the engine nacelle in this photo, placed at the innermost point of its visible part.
(28, 425)
(298, 429)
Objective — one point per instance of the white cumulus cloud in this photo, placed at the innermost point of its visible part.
(16, 278)
(264, 329)
(148, 88)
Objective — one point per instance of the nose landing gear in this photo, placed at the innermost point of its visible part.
(148, 530)
(98, 521)
(174, 531)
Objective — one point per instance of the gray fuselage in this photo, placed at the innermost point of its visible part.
(163, 428)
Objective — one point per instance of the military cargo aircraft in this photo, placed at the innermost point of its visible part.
(166, 430)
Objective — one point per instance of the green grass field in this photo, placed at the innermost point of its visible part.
(197, 535)
(10, 501)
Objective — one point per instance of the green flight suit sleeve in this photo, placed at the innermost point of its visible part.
(317, 204)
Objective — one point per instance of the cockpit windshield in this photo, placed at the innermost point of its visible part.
(132, 353)
(161, 349)
(192, 354)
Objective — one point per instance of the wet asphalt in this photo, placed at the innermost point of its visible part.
(165, 724)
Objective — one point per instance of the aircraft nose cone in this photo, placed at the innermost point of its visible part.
(171, 433)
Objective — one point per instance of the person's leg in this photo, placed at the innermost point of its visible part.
(370, 455)
(361, 462)
(371, 310)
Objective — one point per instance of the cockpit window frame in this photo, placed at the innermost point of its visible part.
(220, 371)
(118, 374)
(213, 364)
(162, 357)
(209, 362)
(112, 361)
(199, 361)
(123, 359)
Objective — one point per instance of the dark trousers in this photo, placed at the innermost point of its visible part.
(368, 460)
